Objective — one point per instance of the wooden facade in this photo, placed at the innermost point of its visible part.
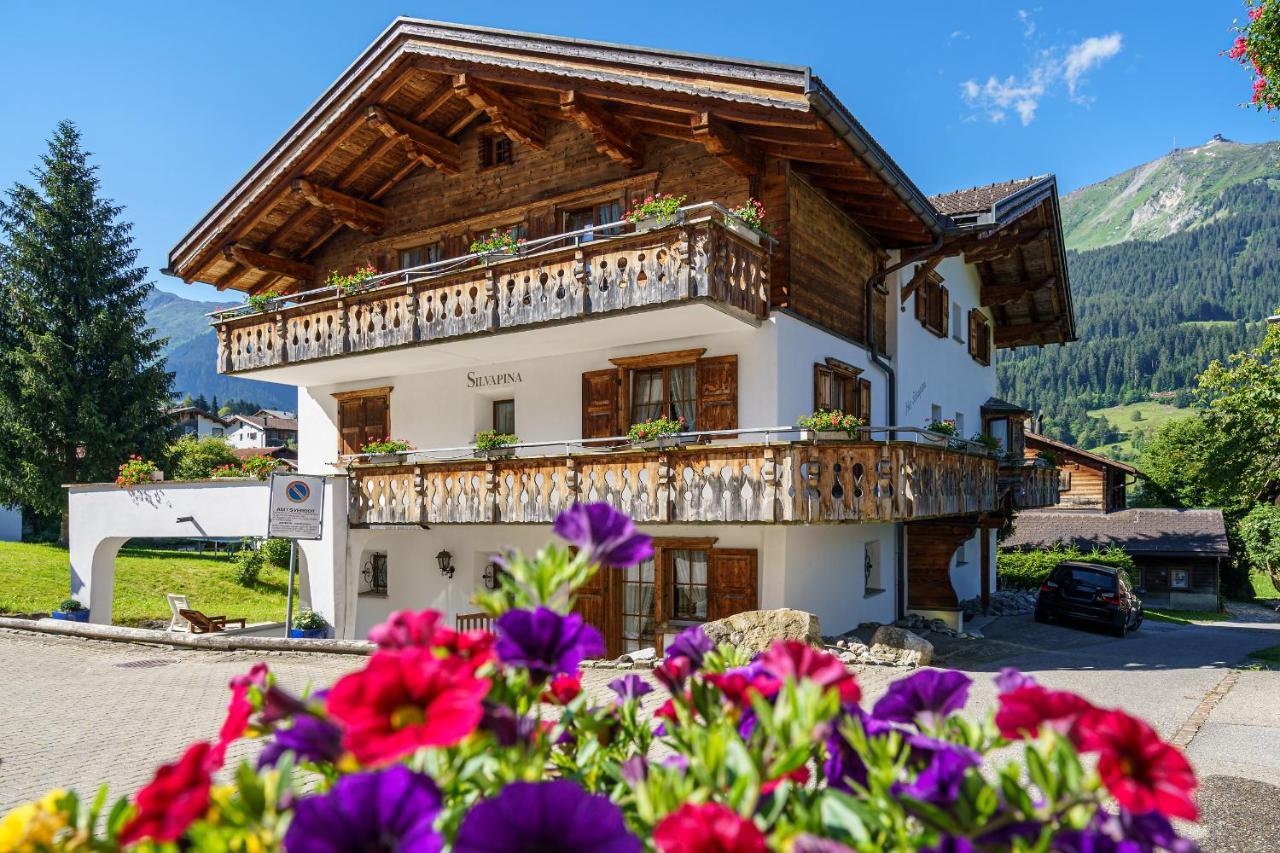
(1087, 481)
(823, 482)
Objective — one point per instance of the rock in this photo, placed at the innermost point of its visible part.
(900, 647)
(756, 630)
(640, 655)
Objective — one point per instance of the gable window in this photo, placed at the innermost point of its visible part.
(495, 150)
(363, 416)
(933, 305)
(592, 216)
(504, 417)
(837, 387)
(979, 337)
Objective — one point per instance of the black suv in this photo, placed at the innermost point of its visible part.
(1090, 592)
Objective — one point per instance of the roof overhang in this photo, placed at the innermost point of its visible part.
(401, 106)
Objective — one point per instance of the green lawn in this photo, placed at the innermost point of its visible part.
(35, 578)
(1121, 417)
(1263, 588)
(1184, 617)
(1268, 657)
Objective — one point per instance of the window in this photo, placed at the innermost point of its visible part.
(665, 392)
(1064, 480)
(638, 614)
(373, 575)
(962, 554)
(495, 150)
(219, 431)
(957, 322)
(1179, 579)
(363, 416)
(688, 586)
(935, 414)
(979, 337)
(933, 305)
(419, 255)
(504, 417)
(872, 583)
(960, 424)
(998, 428)
(837, 388)
(591, 217)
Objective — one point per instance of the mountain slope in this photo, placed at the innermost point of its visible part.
(1174, 193)
(191, 354)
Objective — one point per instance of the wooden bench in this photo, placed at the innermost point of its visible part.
(474, 622)
(201, 624)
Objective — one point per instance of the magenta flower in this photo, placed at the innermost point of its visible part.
(629, 687)
(1011, 679)
(604, 535)
(924, 698)
(557, 815)
(546, 643)
(393, 809)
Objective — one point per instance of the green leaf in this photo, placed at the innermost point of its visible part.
(842, 818)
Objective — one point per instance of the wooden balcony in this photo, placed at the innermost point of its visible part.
(1031, 483)
(759, 483)
(553, 280)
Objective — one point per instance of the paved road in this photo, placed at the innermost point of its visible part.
(75, 712)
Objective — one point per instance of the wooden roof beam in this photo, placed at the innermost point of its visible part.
(1027, 333)
(722, 141)
(612, 136)
(349, 210)
(509, 118)
(426, 146)
(919, 276)
(1004, 245)
(270, 263)
(1004, 294)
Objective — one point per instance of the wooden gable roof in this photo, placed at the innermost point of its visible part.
(406, 99)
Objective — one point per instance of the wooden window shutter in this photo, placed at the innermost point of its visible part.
(350, 426)
(922, 302)
(377, 423)
(864, 400)
(732, 583)
(973, 334)
(718, 392)
(944, 309)
(600, 403)
(594, 602)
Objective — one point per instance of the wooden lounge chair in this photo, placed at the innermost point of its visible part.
(201, 624)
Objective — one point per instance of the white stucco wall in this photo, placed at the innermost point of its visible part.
(824, 573)
(241, 434)
(10, 524)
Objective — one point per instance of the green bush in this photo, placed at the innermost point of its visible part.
(248, 565)
(275, 552)
(1028, 569)
(192, 458)
(308, 620)
(70, 605)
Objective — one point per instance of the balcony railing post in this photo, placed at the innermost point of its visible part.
(282, 347)
(583, 279)
(411, 305)
(343, 327)
(769, 473)
(683, 252)
(572, 480)
(224, 348)
(490, 493)
(666, 500)
(419, 494)
(495, 316)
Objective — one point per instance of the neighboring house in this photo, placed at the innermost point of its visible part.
(190, 420)
(263, 429)
(286, 455)
(10, 523)
(1179, 553)
(867, 297)
(1087, 481)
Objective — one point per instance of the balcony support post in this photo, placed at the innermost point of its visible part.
(490, 511)
(344, 341)
(583, 280)
(492, 291)
(224, 349)
(769, 473)
(411, 305)
(683, 251)
(572, 480)
(665, 501)
(419, 495)
(282, 345)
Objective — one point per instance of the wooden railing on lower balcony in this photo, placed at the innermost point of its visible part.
(769, 483)
(1031, 484)
(560, 278)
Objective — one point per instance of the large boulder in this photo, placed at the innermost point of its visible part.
(899, 647)
(756, 630)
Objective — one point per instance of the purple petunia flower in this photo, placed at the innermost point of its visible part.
(1011, 679)
(1123, 833)
(676, 762)
(557, 815)
(924, 698)
(844, 765)
(951, 844)
(629, 687)
(604, 535)
(635, 770)
(692, 643)
(309, 739)
(506, 726)
(392, 809)
(939, 782)
(546, 643)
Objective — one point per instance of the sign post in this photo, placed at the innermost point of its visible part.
(295, 511)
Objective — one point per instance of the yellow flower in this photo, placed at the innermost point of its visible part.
(33, 826)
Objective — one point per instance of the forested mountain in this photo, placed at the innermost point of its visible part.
(1152, 314)
(191, 351)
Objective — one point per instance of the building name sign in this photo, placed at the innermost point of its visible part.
(492, 380)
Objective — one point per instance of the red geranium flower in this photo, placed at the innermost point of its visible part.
(177, 796)
(790, 659)
(426, 629)
(563, 689)
(239, 709)
(737, 685)
(1025, 709)
(707, 828)
(800, 776)
(405, 700)
(1140, 770)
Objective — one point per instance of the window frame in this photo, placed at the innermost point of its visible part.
(933, 305)
(363, 394)
(493, 423)
(980, 342)
(374, 591)
(496, 149)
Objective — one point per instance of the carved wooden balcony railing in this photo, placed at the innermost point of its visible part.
(697, 259)
(1032, 484)
(835, 481)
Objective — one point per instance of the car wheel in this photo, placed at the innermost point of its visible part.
(1122, 629)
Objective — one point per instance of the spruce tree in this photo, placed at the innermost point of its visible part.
(82, 383)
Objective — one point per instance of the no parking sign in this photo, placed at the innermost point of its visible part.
(297, 506)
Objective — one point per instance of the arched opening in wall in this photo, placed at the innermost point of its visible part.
(219, 582)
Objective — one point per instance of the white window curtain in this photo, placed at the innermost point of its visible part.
(646, 395)
(684, 395)
(690, 588)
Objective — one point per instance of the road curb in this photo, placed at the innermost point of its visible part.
(212, 642)
(1191, 727)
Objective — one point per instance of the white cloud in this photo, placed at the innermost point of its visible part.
(1028, 25)
(1089, 54)
(1051, 70)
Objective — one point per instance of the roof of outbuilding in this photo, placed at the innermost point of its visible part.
(1184, 532)
(979, 199)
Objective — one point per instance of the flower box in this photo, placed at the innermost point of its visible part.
(308, 633)
(380, 458)
(496, 453)
(742, 229)
(157, 476)
(653, 223)
(70, 615)
(825, 435)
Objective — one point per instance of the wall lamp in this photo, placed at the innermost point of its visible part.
(445, 559)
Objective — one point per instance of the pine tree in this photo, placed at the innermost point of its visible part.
(82, 384)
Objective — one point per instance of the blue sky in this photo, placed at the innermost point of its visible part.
(177, 100)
